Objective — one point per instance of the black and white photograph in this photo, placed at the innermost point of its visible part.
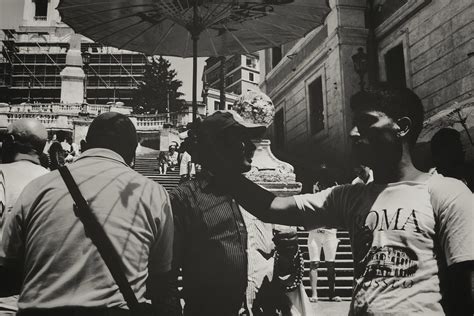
(236, 157)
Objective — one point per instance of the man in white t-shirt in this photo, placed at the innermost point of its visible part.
(411, 232)
(22, 146)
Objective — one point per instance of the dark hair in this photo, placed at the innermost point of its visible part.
(113, 131)
(395, 102)
(446, 143)
(61, 136)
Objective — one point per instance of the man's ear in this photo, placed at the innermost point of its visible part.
(404, 124)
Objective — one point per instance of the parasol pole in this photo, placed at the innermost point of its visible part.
(195, 36)
(463, 123)
(195, 40)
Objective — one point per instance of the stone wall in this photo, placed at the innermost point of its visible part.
(326, 53)
(436, 39)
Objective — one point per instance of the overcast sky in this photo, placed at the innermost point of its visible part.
(11, 15)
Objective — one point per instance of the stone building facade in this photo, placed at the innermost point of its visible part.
(425, 45)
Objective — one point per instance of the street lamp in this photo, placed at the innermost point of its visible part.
(360, 65)
(86, 59)
(30, 84)
(205, 93)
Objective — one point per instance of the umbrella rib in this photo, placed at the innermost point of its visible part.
(117, 31)
(110, 10)
(135, 37)
(163, 37)
(279, 27)
(263, 36)
(186, 45)
(220, 15)
(237, 40)
(212, 43)
(62, 6)
(108, 22)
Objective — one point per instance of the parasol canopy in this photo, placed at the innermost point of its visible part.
(186, 28)
(459, 116)
(167, 27)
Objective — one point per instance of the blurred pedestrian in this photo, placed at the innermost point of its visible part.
(323, 239)
(56, 152)
(173, 155)
(449, 156)
(21, 162)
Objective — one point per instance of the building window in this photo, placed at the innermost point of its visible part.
(216, 105)
(41, 9)
(316, 106)
(250, 62)
(395, 67)
(251, 77)
(229, 106)
(276, 55)
(229, 80)
(279, 129)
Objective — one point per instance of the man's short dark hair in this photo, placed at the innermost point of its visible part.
(113, 131)
(395, 102)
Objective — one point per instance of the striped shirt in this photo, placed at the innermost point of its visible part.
(210, 247)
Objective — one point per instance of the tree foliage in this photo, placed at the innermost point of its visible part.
(159, 84)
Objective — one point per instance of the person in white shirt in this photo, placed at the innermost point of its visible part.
(22, 146)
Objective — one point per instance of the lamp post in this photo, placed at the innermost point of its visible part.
(205, 93)
(86, 59)
(30, 84)
(360, 65)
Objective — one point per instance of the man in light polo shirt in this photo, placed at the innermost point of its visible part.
(63, 273)
(21, 149)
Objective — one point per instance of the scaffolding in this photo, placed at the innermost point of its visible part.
(30, 70)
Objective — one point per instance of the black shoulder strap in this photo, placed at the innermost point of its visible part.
(96, 233)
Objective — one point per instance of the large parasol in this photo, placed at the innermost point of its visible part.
(459, 115)
(194, 28)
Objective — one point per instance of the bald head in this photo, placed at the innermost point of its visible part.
(113, 131)
(27, 136)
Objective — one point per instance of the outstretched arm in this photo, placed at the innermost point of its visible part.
(311, 211)
(262, 203)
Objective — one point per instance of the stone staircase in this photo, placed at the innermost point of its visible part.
(147, 166)
(344, 269)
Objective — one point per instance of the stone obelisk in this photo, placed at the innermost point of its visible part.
(72, 76)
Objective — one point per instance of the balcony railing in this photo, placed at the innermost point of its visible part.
(48, 120)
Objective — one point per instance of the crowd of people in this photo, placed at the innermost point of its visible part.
(94, 237)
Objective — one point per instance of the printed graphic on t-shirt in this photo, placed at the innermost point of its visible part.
(381, 259)
(390, 261)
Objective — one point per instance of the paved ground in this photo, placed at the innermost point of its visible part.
(325, 308)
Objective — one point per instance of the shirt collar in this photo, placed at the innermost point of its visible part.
(102, 153)
(26, 157)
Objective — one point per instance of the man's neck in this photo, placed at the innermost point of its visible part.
(33, 158)
(404, 170)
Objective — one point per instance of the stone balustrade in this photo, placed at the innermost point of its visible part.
(67, 118)
(62, 108)
(50, 120)
(153, 122)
